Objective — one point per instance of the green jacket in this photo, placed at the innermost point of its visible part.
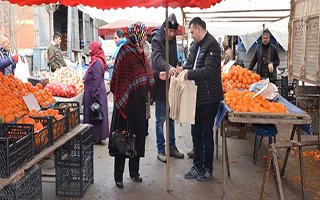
(55, 58)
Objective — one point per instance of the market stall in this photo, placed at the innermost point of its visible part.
(294, 116)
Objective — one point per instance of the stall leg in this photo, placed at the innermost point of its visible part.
(266, 175)
(223, 163)
(217, 142)
(301, 167)
(288, 150)
(227, 158)
(278, 179)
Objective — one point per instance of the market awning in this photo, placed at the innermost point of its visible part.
(122, 24)
(109, 4)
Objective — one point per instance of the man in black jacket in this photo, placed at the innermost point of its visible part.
(204, 67)
(267, 59)
(159, 65)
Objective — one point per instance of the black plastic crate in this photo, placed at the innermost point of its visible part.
(28, 188)
(73, 112)
(73, 181)
(74, 165)
(16, 147)
(43, 137)
(76, 150)
(58, 127)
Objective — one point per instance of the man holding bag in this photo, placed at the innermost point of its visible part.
(203, 66)
(7, 61)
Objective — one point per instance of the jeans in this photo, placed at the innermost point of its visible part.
(160, 119)
(202, 136)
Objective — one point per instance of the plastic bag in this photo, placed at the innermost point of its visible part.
(22, 70)
(266, 89)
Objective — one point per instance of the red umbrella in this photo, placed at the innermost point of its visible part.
(108, 4)
(122, 24)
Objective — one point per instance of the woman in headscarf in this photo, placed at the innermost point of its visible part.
(131, 82)
(95, 91)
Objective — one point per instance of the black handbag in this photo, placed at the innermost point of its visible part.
(122, 142)
(96, 112)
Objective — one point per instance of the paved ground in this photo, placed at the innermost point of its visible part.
(245, 183)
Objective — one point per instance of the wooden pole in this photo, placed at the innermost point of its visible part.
(167, 103)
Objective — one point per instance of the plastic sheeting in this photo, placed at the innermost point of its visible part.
(249, 32)
(109, 4)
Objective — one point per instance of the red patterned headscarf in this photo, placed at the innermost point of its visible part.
(97, 53)
(138, 31)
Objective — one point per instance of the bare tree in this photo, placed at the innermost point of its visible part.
(11, 20)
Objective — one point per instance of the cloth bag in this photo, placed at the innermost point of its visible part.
(182, 99)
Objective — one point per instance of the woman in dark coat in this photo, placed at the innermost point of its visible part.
(130, 84)
(95, 91)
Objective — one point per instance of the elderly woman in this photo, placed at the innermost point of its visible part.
(95, 91)
(131, 82)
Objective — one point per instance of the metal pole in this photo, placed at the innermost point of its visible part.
(69, 32)
(167, 103)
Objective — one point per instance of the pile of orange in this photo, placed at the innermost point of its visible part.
(238, 77)
(12, 90)
(28, 120)
(48, 112)
(243, 101)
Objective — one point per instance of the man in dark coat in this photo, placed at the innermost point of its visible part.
(267, 59)
(7, 61)
(159, 65)
(55, 58)
(204, 67)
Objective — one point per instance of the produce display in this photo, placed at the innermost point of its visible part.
(67, 90)
(33, 118)
(238, 77)
(65, 82)
(243, 101)
(12, 105)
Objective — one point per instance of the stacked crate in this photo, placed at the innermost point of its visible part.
(27, 188)
(74, 165)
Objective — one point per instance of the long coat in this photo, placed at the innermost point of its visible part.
(95, 90)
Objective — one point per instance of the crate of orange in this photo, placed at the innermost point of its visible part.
(16, 147)
(41, 132)
(73, 108)
(56, 119)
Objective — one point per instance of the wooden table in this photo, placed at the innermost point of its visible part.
(294, 119)
(16, 176)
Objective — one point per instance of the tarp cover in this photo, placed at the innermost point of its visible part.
(110, 28)
(109, 4)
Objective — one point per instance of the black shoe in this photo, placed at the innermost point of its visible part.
(174, 152)
(99, 142)
(191, 154)
(119, 184)
(136, 179)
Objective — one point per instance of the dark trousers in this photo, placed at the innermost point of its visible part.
(119, 164)
(202, 136)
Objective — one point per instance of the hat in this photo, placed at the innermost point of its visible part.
(173, 24)
(265, 33)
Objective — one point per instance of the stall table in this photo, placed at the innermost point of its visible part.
(16, 176)
(295, 117)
